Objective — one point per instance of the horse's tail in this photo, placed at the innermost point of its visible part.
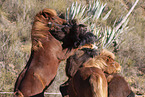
(97, 88)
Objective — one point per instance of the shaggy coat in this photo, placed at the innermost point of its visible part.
(52, 42)
(89, 80)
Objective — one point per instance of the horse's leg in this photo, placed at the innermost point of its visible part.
(131, 94)
(64, 89)
(39, 95)
(19, 79)
(18, 94)
(65, 53)
(22, 74)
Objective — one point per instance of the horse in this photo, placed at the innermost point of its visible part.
(53, 40)
(87, 79)
(118, 86)
(73, 63)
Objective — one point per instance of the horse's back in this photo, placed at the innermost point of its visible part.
(87, 82)
(118, 87)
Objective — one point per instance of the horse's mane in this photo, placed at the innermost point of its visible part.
(52, 12)
(99, 60)
(71, 33)
(78, 35)
(44, 22)
(107, 53)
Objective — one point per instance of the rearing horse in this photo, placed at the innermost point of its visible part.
(53, 40)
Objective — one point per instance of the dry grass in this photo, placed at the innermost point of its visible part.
(16, 18)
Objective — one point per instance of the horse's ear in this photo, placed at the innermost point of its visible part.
(49, 12)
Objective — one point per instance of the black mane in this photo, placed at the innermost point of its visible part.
(73, 35)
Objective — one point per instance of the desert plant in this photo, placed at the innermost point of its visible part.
(90, 14)
(117, 35)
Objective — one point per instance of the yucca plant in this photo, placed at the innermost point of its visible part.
(90, 14)
(86, 13)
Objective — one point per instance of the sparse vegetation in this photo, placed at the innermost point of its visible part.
(16, 18)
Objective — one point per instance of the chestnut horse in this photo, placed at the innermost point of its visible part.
(118, 86)
(89, 80)
(53, 40)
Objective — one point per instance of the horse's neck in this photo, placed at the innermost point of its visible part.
(52, 47)
(97, 62)
(74, 63)
(82, 59)
(65, 53)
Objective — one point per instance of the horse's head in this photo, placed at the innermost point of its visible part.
(44, 22)
(70, 33)
(111, 65)
(104, 61)
(76, 35)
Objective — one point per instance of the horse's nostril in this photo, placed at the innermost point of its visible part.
(49, 24)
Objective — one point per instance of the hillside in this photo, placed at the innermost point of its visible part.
(16, 18)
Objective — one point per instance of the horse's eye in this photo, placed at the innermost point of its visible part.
(107, 59)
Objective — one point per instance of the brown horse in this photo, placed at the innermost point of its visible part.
(118, 87)
(73, 64)
(53, 40)
(89, 80)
